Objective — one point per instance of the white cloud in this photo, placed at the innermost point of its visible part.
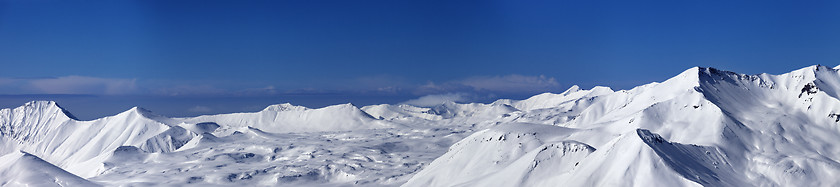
(84, 85)
(383, 84)
(200, 109)
(506, 84)
(267, 90)
(68, 85)
(375, 81)
(6, 81)
(185, 89)
(389, 89)
(434, 100)
(511, 83)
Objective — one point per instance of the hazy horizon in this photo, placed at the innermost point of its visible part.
(186, 58)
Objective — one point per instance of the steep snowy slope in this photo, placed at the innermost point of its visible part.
(289, 118)
(704, 126)
(24, 169)
(541, 155)
(496, 153)
(44, 129)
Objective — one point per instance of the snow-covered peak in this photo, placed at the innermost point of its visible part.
(601, 90)
(287, 107)
(345, 106)
(290, 118)
(811, 78)
(813, 72)
(142, 113)
(40, 104)
(284, 107)
(401, 111)
(565, 99)
(138, 111)
(807, 72)
(44, 107)
(29, 120)
(574, 88)
(821, 67)
(687, 79)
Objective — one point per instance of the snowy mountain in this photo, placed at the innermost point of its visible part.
(702, 127)
(401, 112)
(289, 118)
(45, 129)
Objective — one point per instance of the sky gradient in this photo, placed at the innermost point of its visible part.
(217, 56)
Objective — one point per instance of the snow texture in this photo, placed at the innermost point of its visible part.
(703, 127)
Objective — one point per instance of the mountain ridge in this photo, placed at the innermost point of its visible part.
(700, 106)
(703, 126)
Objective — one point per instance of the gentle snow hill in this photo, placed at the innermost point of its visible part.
(704, 126)
(472, 110)
(289, 118)
(24, 169)
(561, 101)
(475, 114)
(495, 152)
(366, 157)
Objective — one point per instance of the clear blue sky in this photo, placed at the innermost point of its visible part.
(387, 50)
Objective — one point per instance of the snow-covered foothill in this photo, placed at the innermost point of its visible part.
(282, 118)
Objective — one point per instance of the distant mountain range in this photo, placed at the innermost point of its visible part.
(704, 127)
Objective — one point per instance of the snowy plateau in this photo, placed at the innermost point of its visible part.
(703, 127)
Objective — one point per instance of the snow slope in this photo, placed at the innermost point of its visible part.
(563, 100)
(401, 112)
(369, 157)
(702, 127)
(44, 129)
(24, 169)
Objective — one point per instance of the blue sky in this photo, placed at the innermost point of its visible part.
(223, 56)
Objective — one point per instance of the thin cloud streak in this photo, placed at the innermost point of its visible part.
(200, 109)
(499, 84)
(68, 85)
(438, 99)
(375, 85)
